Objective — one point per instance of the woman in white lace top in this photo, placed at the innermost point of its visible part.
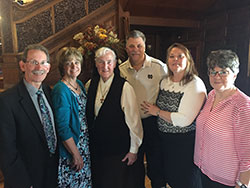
(181, 96)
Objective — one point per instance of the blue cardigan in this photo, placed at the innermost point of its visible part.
(66, 111)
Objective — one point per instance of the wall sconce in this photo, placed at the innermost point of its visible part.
(22, 2)
(149, 47)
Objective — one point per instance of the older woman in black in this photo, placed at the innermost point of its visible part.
(114, 125)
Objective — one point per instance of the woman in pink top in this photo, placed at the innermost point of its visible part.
(222, 146)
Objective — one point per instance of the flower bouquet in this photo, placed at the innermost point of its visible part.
(95, 37)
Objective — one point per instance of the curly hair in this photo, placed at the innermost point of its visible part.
(223, 59)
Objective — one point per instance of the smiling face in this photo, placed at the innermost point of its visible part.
(177, 61)
(224, 81)
(72, 67)
(105, 66)
(135, 48)
(35, 73)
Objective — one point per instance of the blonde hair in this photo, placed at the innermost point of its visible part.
(64, 55)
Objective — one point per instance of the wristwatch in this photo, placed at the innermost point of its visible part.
(241, 184)
(158, 113)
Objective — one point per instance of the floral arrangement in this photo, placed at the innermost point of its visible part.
(95, 37)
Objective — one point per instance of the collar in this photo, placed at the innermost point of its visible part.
(31, 89)
(146, 63)
(108, 82)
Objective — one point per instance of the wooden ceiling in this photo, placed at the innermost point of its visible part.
(168, 8)
(167, 11)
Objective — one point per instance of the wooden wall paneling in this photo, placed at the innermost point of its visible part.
(237, 24)
(180, 36)
(48, 22)
(167, 22)
(123, 20)
(215, 19)
(7, 42)
(195, 35)
(95, 4)
(215, 34)
(11, 71)
(195, 48)
(237, 32)
(248, 68)
(159, 48)
(34, 30)
(213, 26)
(241, 47)
(238, 36)
(53, 75)
(229, 29)
(66, 16)
(238, 16)
(23, 11)
(151, 44)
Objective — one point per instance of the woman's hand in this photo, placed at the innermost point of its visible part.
(77, 162)
(131, 157)
(149, 108)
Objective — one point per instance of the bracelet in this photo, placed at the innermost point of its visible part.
(158, 113)
(241, 185)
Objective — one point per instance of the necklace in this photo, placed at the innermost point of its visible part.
(103, 93)
(76, 88)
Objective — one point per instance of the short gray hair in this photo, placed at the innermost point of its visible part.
(136, 34)
(223, 59)
(34, 47)
(103, 51)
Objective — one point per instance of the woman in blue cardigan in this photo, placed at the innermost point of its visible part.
(69, 101)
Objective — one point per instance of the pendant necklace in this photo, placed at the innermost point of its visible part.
(103, 94)
(76, 88)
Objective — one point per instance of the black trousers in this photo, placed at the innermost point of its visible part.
(111, 172)
(179, 169)
(208, 183)
(151, 146)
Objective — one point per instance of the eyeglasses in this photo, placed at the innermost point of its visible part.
(222, 73)
(35, 62)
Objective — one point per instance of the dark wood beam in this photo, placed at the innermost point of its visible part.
(166, 22)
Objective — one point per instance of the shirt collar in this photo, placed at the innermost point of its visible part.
(31, 89)
(108, 82)
(146, 63)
